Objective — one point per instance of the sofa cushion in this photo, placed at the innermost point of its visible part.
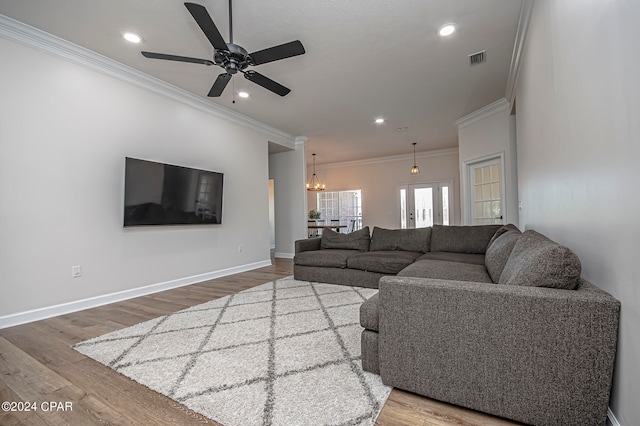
(540, 262)
(369, 313)
(477, 259)
(357, 240)
(384, 262)
(324, 258)
(503, 229)
(400, 239)
(441, 269)
(498, 253)
(462, 239)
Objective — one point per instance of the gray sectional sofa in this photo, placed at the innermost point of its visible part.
(484, 317)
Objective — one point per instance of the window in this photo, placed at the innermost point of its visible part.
(343, 206)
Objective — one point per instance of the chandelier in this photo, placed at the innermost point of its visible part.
(414, 170)
(314, 184)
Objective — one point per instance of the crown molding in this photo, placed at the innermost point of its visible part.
(518, 47)
(482, 113)
(32, 37)
(400, 157)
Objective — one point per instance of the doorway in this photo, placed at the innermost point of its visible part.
(426, 204)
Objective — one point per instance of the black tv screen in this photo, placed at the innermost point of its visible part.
(164, 194)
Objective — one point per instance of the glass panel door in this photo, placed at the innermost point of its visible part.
(486, 193)
(426, 204)
(423, 205)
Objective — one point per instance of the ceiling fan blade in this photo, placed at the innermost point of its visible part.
(275, 53)
(219, 85)
(267, 83)
(207, 26)
(176, 58)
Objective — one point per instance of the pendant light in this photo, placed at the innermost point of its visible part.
(314, 185)
(414, 170)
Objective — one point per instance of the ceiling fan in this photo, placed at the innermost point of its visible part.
(232, 57)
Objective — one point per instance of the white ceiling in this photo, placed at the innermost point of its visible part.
(364, 59)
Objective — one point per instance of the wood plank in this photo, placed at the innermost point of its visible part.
(408, 409)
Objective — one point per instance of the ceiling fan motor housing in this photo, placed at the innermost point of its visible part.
(235, 59)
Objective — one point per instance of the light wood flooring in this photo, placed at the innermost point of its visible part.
(38, 365)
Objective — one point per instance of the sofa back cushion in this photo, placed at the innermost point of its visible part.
(462, 239)
(503, 229)
(498, 253)
(357, 240)
(540, 262)
(416, 240)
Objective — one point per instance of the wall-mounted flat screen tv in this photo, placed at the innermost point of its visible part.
(164, 194)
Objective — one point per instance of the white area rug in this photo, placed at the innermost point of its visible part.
(283, 353)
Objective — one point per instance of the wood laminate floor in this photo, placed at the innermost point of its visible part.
(37, 365)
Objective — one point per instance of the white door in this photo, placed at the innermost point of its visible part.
(425, 204)
(486, 189)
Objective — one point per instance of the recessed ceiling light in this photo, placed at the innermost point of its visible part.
(132, 38)
(379, 120)
(243, 94)
(446, 30)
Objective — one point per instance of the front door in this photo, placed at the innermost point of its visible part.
(425, 204)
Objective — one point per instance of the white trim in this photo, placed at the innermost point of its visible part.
(400, 157)
(518, 47)
(482, 113)
(612, 419)
(93, 302)
(38, 39)
(284, 255)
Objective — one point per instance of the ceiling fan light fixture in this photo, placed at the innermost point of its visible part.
(446, 30)
(132, 37)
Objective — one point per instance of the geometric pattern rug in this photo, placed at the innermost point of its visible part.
(283, 353)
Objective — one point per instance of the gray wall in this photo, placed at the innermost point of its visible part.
(578, 133)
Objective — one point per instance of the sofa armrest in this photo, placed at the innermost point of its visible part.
(536, 355)
(308, 244)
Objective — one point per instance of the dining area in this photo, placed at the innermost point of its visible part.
(315, 226)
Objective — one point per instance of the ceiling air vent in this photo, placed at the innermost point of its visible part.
(478, 58)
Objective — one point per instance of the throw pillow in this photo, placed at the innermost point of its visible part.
(357, 240)
(540, 262)
(416, 240)
(498, 253)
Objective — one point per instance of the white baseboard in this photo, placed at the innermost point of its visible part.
(93, 302)
(612, 419)
(284, 255)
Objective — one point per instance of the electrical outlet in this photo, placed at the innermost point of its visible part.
(76, 271)
(239, 249)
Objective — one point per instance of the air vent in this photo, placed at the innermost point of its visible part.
(478, 58)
